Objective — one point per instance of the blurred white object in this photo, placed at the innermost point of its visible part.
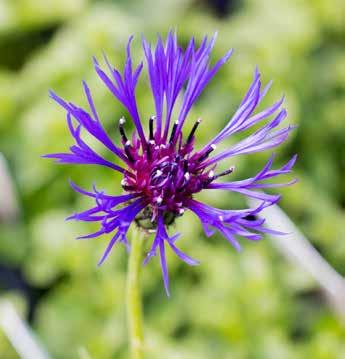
(15, 329)
(83, 353)
(8, 198)
(297, 247)
(19, 334)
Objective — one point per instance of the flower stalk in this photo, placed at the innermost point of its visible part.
(133, 293)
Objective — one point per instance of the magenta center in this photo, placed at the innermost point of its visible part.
(166, 173)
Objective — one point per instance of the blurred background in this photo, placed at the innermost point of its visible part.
(255, 304)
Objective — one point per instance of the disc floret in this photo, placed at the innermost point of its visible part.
(166, 173)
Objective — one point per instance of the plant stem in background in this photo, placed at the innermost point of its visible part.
(134, 305)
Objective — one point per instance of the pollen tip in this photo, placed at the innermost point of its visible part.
(128, 143)
(123, 182)
(211, 174)
(213, 146)
(221, 218)
(122, 120)
(187, 176)
(199, 120)
(181, 211)
(159, 200)
(159, 173)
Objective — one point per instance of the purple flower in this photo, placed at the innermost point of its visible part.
(161, 170)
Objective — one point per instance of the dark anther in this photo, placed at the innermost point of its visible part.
(122, 131)
(185, 166)
(148, 150)
(152, 118)
(173, 131)
(206, 154)
(224, 173)
(128, 152)
(210, 177)
(126, 186)
(250, 217)
(190, 137)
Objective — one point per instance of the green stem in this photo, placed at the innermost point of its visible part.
(134, 305)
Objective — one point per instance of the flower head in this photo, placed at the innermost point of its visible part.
(161, 169)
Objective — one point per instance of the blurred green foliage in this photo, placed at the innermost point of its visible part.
(248, 305)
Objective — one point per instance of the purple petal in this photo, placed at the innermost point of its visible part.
(183, 256)
(109, 248)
